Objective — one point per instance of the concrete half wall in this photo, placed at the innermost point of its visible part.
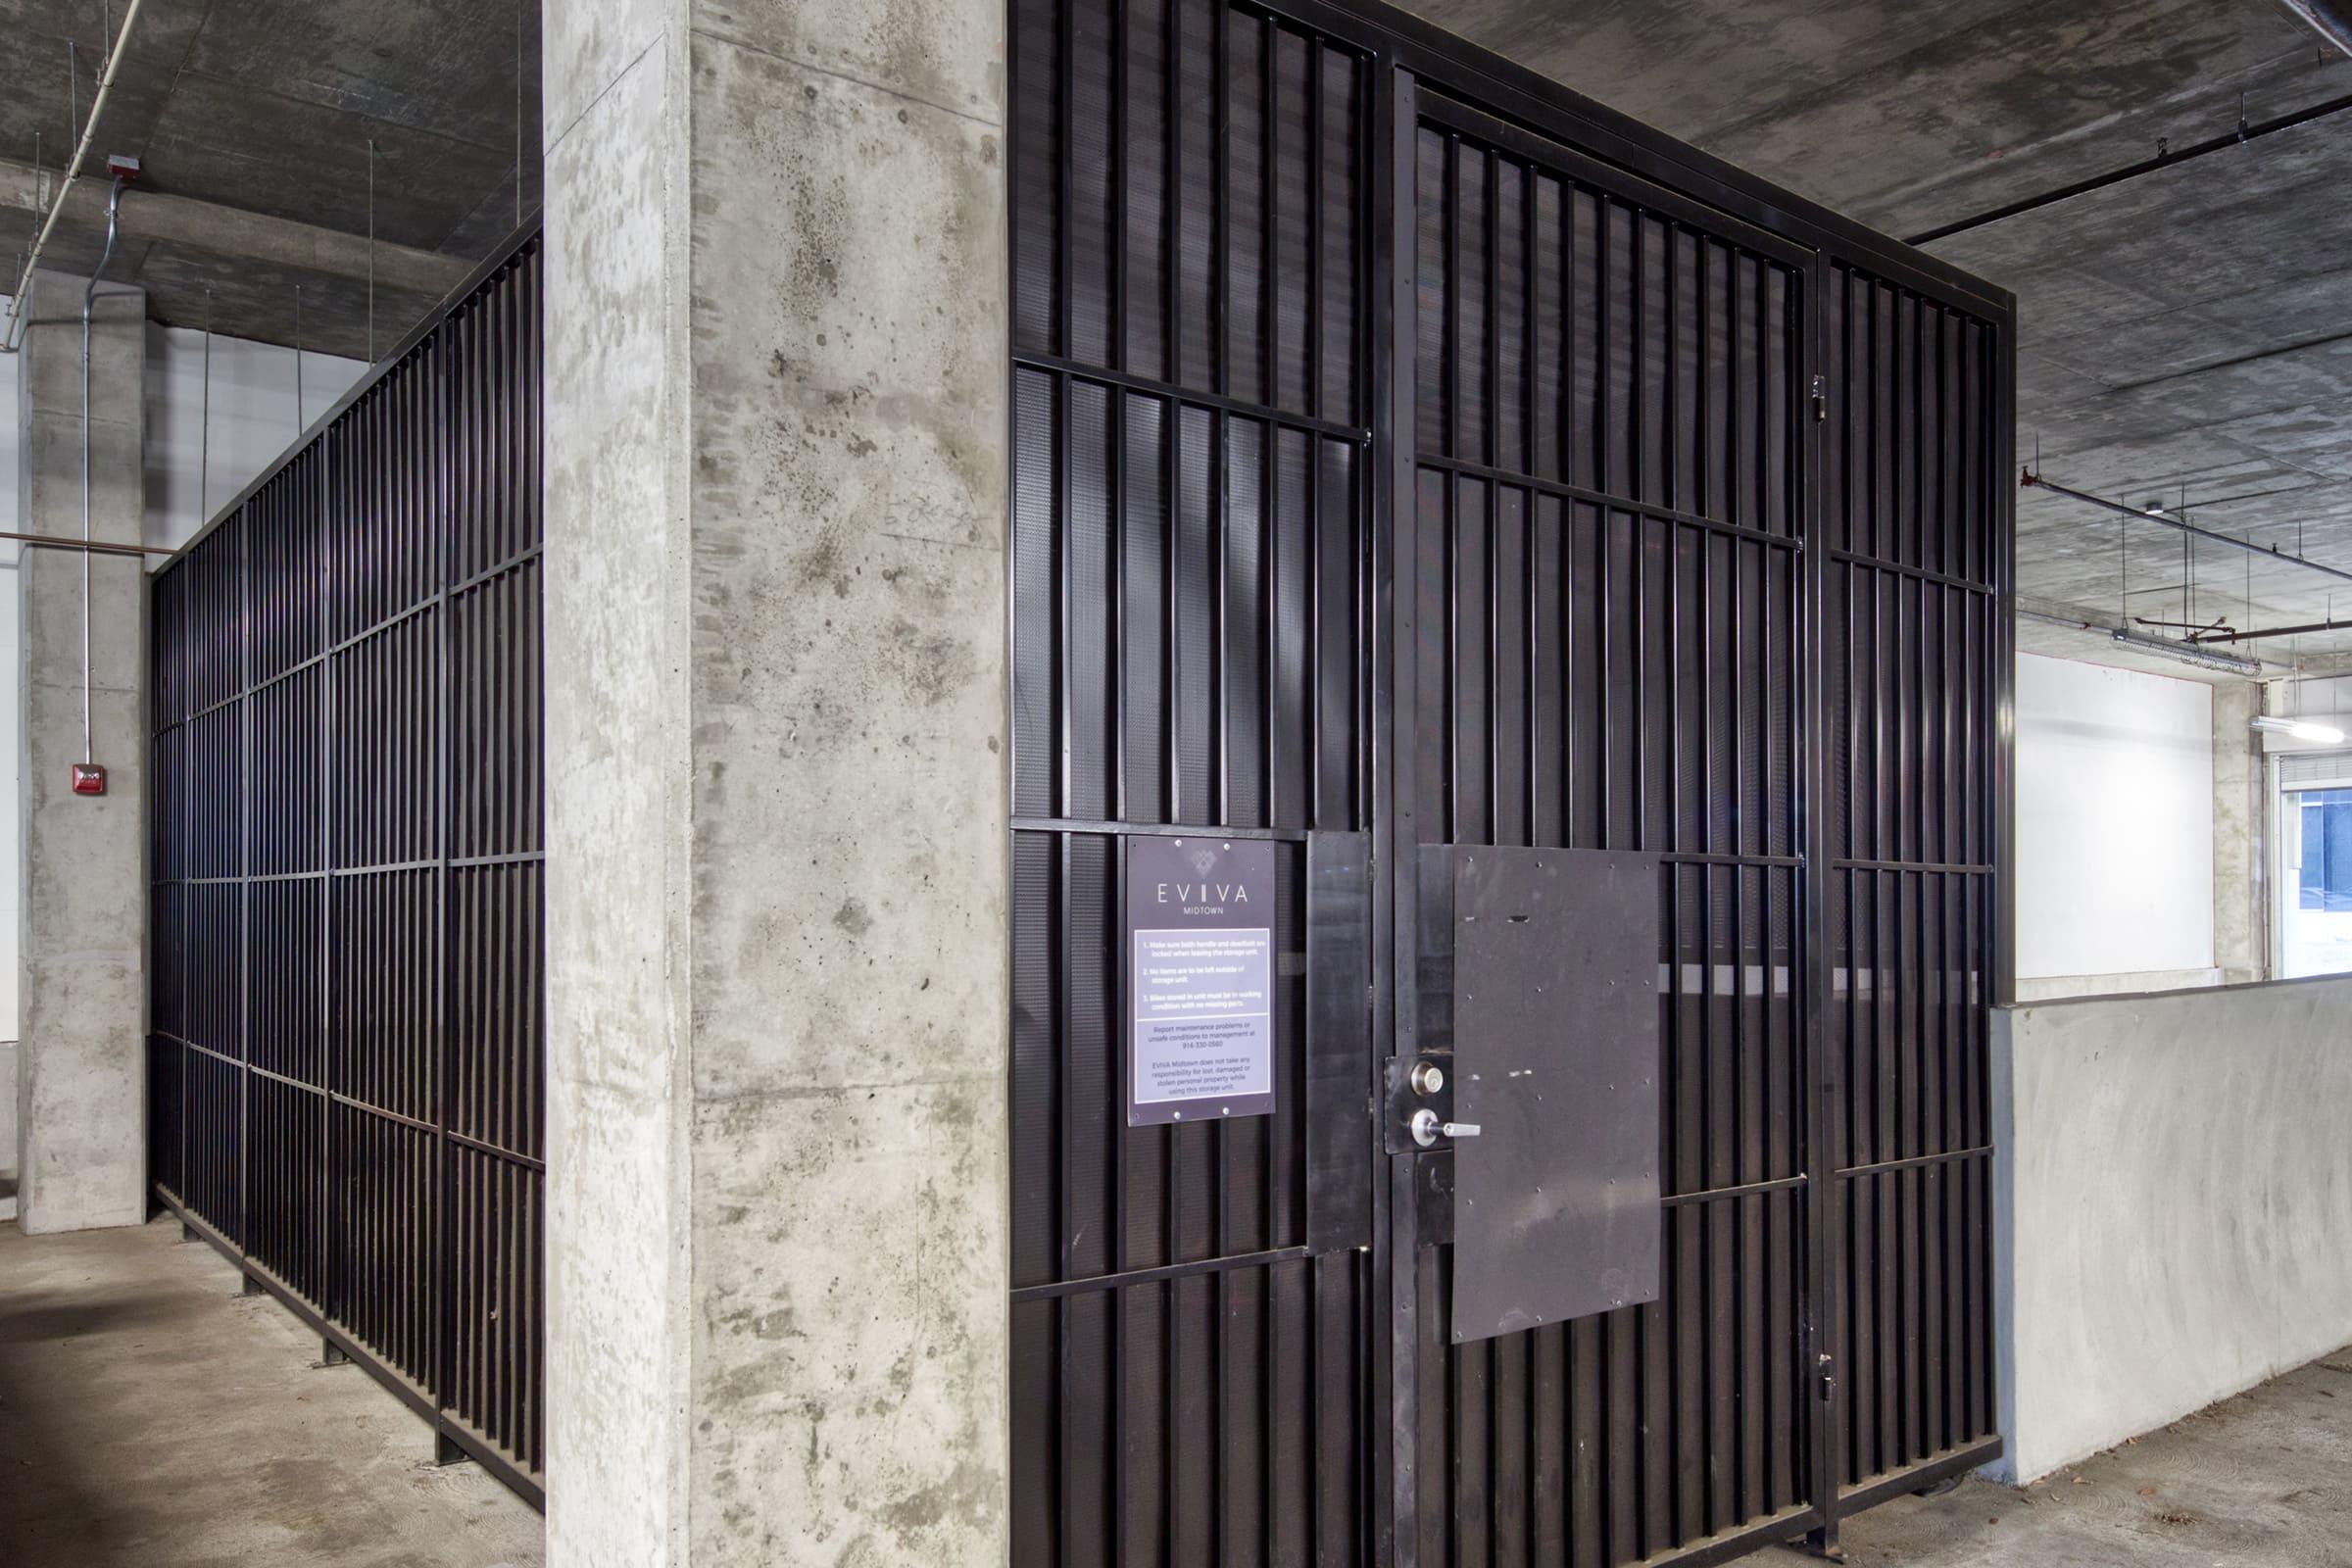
(2174, 1201)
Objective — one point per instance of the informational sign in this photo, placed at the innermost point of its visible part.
(1201, 979)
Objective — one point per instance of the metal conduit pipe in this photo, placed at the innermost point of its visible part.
(2030, 480)
(2166, 158)
(89, 292)
(50, 541)
(106, 82)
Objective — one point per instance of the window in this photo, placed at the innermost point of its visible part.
(2315, 865)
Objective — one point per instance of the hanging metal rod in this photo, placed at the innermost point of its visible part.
(50, 541)
(2029, 480)
(89, 132)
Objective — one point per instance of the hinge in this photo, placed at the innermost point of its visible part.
(1821, 398)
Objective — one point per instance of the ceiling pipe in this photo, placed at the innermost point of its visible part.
(9, 339)
(2028, 480)
(2330, 19)
(2224, 635)
(2166, 157)
(51, 541)
(123, 169)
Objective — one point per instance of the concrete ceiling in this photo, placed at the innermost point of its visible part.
(252, 120)
(2183, 334)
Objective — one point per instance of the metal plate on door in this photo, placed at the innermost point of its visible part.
(1556, 1202)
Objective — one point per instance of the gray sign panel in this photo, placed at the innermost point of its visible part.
(1556, 1204)
(1200, 978)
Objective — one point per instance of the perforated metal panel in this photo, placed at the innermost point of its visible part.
(346, 1082)
(1556, 1213)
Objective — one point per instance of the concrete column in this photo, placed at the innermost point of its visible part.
(777, 915)
(2240, 924)
(81, 892)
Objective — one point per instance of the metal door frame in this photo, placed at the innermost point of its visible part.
(1407, 52)
(1409, 110)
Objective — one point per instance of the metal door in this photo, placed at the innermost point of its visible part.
(1411, 461)
(1601, 529)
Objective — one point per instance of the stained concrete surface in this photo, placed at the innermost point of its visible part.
(409, 121)
(153, 1417)
(776, 529)
(2172, 1197)
(81, 884)
(2260, 1480)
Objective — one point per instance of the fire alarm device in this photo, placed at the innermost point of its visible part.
(89, 778)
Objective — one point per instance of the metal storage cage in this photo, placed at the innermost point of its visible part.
(1408, 455)
(347, 1025)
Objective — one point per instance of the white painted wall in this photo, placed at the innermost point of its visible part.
(11, 436)
(252, 421)
(2173, 1206)
(2114, 821)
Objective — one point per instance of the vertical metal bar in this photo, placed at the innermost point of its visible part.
(1738, 371)
(1605, 468)
(1316, 391)
(1065, 156)
(1451, 363)
(434, 418)
(241, 664)
(1269, 529)
(1821, 1368)
(1394, 367)
(1219, 504)
(1491, 444)
(1171, 630)
(1116, 350)
(1676, 500)
(1531, 771)
(1640, 524)
(1569, 469)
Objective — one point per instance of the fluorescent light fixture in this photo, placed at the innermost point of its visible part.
(2188, 654)
(2302, 729)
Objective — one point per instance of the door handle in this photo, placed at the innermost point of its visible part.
(1427, 1127)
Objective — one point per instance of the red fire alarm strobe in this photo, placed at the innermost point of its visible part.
(89, 778)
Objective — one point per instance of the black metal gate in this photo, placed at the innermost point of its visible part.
(1409, 459)
(347, 1031)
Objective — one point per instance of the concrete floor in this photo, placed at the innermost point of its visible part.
(2261, 1481)
(153, 1417)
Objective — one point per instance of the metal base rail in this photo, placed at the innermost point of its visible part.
(453, 1437)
